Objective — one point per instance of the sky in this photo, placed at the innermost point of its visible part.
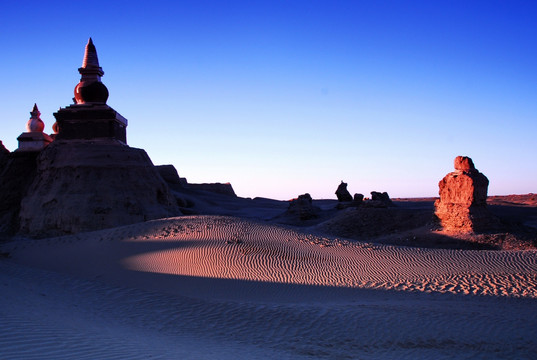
(282, 98)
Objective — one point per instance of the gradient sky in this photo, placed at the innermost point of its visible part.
(286, 97)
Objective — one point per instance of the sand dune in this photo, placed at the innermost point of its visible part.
(232, 248)
(213, 287)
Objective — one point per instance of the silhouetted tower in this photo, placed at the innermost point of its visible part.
(88, 178)
(90, 118)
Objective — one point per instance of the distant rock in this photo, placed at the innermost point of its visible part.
(358, 198)
(219, 188)
(380, 200)
(303, 207)
(343, 195)
(170, 175)
(462, 206)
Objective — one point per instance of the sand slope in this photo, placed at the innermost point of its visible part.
(197, 284)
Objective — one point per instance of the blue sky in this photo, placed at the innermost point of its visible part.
(286, 97)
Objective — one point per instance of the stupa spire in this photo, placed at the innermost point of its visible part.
(90, 89)
(90, 64)
(35, 124)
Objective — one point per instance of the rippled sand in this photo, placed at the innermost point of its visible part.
(213, 282)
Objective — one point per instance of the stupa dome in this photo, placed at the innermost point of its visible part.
(35, 124)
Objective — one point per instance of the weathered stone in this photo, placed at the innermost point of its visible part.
(464, 163)
(90, 185)
(4, 154)
(462, 205)
(383, 197)
(379, 200)
(16, 176)
(219, 188)
(3, 150)
(358, 198)
(342, 193)
(170, 175)
(303, 207)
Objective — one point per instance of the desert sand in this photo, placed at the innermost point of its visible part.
(235, 286)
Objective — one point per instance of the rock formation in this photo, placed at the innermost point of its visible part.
(303, 207)
(343, 195)
(88, 178)
(81, 186)
(379, 199)
(170, 175)
(4, 154)
(15, 177)
(462, 206)
(218, 188)
(358, 198)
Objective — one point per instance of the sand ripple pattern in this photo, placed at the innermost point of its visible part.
(223, 247)
(230, 248)
(148, 291)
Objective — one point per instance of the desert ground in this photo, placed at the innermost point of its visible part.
(242, 279)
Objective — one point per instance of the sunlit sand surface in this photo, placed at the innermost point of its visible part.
(213, 287)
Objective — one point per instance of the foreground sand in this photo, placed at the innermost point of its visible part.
(215, 287)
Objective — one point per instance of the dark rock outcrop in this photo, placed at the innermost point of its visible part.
(462, 206)
(89, 185)
(170, 175)
(3, 150)
(4, 154)
(15, 177)
(380, 200)
(219, 188)
(343, 195)
(303, 207)
(358, 198)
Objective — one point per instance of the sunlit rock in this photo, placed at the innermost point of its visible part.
(463, 199)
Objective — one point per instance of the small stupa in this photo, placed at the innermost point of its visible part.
(88, 178)
(34, 139)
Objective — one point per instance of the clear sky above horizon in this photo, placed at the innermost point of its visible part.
(281, 98)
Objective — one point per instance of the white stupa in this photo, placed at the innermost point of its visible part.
(34, 139)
